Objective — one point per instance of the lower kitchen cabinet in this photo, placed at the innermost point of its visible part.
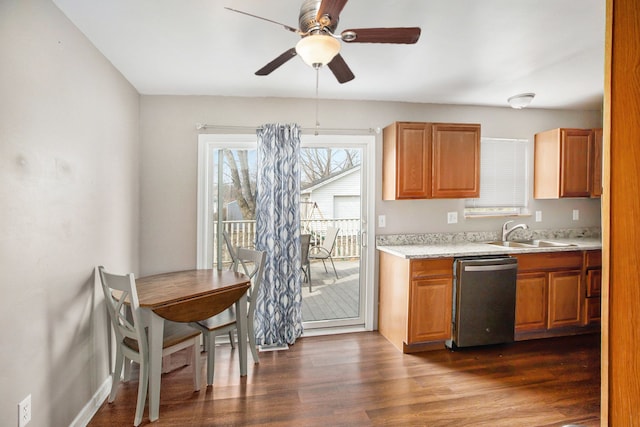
(565, 299)
(415, 302)
(557, 293)
(430, 309)
(593, 275)
(531, 301)
(549, 292)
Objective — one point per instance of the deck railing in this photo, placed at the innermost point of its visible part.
(243, 234)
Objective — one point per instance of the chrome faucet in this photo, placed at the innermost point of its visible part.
(506, 231)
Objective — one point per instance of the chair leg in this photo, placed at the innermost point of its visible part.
(117, 373)
(325, 266)
(196, 363)
(232, 340)
(211, 357)
(334, 267)
(143, 383)
(252, 343)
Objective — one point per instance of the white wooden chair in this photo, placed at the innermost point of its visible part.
(323, 251)
(232, 250)
(121, 297)
(252, 263)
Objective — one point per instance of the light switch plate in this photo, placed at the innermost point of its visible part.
(576, 214)
(538, 216)
(452, 217)
(382, 221)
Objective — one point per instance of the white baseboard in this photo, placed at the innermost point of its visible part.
(92, 406)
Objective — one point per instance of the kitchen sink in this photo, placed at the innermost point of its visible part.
(530, 244)
(509, 244)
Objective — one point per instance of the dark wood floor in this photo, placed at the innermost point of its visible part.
(360, 379)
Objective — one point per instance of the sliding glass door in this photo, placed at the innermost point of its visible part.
(333, 212)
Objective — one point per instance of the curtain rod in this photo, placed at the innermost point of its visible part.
(202, 126)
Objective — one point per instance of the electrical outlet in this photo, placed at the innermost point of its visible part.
(382, 221)
(538, 216)
(452, 217)
(576, 214)
(24, 411)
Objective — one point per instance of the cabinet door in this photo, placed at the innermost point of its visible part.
(575, 177)
(565, 298)
(596, 164)
(430, 309)
(594, 281)
(593, 310)
(456, 161)
(413, 179)
(531, 301)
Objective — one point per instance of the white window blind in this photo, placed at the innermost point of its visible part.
(503, 178)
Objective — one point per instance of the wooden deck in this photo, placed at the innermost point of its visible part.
(332, 298)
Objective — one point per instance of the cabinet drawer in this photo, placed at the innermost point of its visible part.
(593, 259)
(423, 268)
(549, 261)
(594, 282)
(593, 310)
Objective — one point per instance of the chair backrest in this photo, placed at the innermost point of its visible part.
(305, 242)
(330, 239)
(232, 251)
(252, 262)
(126, 323)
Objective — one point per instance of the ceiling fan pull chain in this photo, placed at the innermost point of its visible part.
(317, 78)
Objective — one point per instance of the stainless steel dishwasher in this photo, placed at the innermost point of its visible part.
(484, 301)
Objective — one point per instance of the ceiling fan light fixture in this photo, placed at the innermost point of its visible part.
(317, 49)
(521, 101)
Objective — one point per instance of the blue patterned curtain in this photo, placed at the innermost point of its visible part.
(278, 316)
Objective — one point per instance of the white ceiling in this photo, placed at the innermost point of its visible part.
(473, 52)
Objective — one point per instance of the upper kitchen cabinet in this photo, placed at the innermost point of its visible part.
(567, 163)
(596, 187)
(406, 160)
(430, 160)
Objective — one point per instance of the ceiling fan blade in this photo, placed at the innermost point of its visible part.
(286, 27)
(340, 69)
(331, 8)
(399, 35)
(271, 66)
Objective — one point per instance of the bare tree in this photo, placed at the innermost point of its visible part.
(319, 163)
(244, 187)
(315, 164)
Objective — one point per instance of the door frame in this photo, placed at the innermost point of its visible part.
(208, 143)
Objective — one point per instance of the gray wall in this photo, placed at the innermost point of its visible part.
(68, 201)
(169, 153)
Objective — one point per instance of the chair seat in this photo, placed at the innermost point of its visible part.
(219, 321)
(174, 333)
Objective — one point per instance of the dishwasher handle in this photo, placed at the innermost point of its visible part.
(492, 267)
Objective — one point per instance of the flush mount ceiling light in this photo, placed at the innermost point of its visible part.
(521, 101)
(317, 49)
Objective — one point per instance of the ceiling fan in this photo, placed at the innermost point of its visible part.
(320, 45)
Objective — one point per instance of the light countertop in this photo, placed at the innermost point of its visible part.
(443, 250)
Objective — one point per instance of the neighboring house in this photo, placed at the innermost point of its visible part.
(336, 196)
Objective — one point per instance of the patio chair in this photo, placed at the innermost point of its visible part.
(305, 265)
(323, 251)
